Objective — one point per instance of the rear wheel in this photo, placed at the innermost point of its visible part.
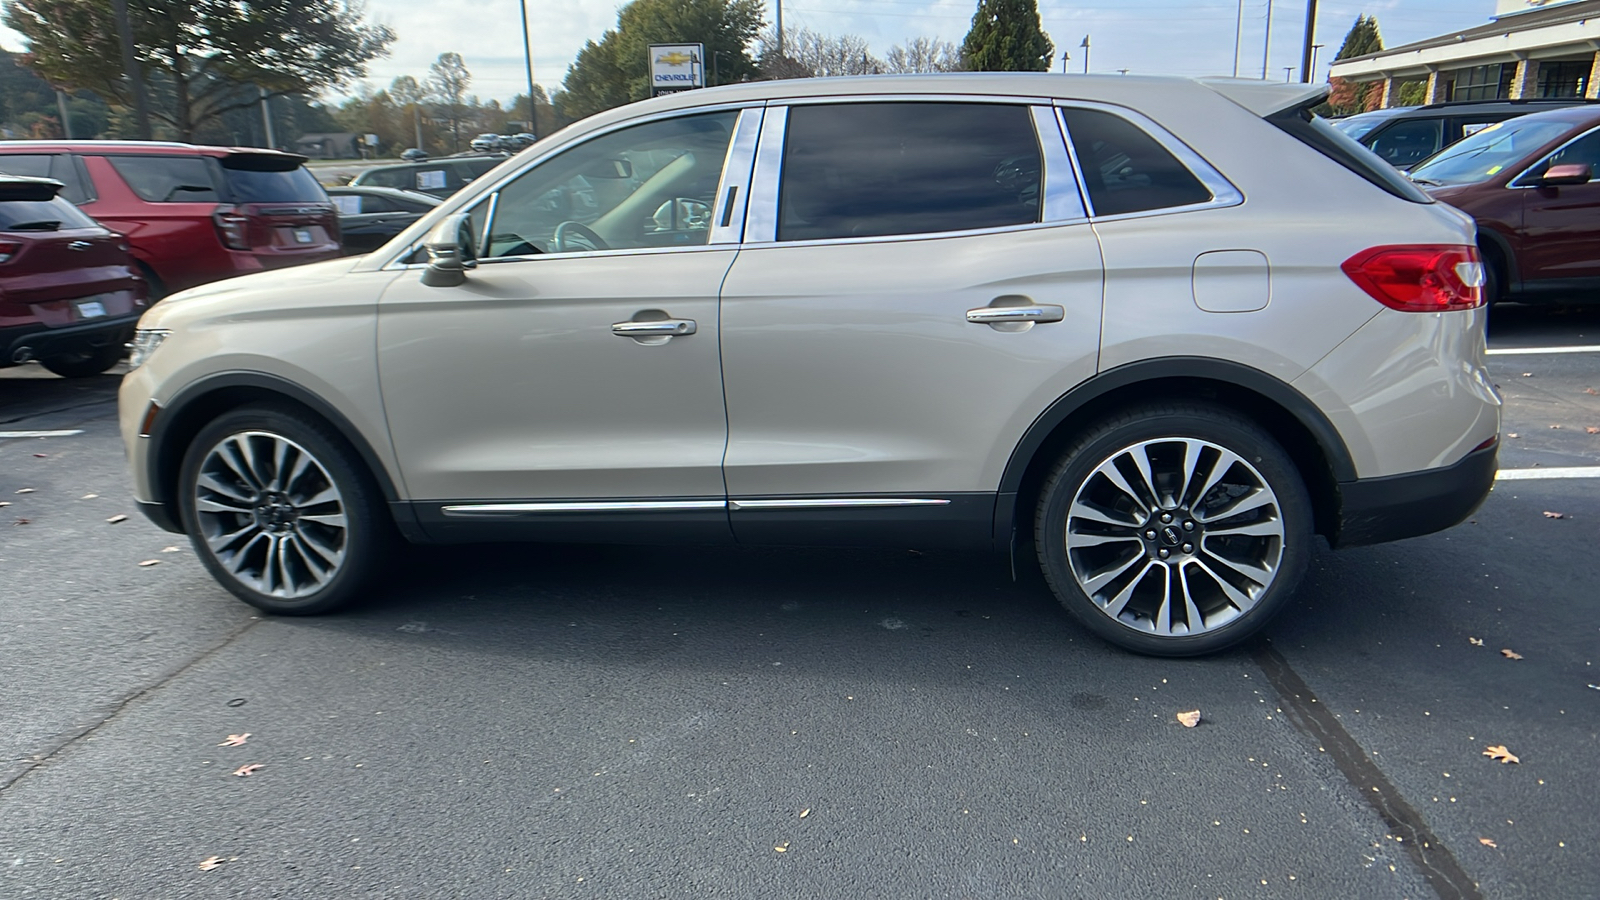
(84, 363)
(281, 511)
(1174, 529)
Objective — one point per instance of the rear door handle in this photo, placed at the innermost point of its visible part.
(657, 328)
(997, 315)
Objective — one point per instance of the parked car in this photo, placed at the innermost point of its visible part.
(439, 177)
(69, 293)
(486, 143)
(369, 216)
(191, 214)
(1531, 185)
(1406, 135)
(761, 327)
(413, 154)
(513, 143)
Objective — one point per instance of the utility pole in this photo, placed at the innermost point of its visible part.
(1085, 46)
(779, 5)
(1287, 71)
(416, 110)
(1238, 38)
(61, 108)
(527, 57)
(1311, 35)
(1314, 49)
(1266, 44)
(130, 66)
(1064, 57)
(266, 119)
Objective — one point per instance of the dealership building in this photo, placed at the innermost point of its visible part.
(1531, 48)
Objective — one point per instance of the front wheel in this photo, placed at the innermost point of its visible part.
(281, 511)
(1174, 529)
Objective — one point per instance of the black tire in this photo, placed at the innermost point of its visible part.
(1255, 518)
(85, 363)
(284, 551)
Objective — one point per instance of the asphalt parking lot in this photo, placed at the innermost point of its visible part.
(515, 721)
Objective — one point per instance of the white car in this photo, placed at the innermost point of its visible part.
(1158, 332)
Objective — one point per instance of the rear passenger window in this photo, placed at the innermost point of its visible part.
(167, 179)
(1127, 170)
(873, 169)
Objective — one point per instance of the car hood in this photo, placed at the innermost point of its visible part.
(292, 287)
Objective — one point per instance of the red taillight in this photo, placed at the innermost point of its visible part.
(1420, 277)
(233, 227)
(8, 249)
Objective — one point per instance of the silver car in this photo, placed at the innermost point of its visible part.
(1158, 332)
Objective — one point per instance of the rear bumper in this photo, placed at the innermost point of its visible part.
(1375, 510)
(41, 341)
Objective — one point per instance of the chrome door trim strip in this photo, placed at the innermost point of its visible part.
(736, 169)
(1063, 197)
(835, 503)
(761, 218)
(469, 510)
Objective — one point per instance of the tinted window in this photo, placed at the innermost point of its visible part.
(294, 186)
(1584, 151)
(41, 215)
(393, 178)
(650, 185)
(1125, 169)
(31, 165)
(167, 179)
(61, 167)
(869, 169)
(1407, 142)
(68, 170)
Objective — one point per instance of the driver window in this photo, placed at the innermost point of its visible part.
(650, 185)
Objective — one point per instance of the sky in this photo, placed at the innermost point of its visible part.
(1146, 37)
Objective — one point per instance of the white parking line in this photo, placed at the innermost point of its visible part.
(1526, 351)
(37, 434)
(1551, 472)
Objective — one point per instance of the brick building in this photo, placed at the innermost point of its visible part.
(1530, 48)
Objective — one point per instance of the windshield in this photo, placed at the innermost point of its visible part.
(1487, 153)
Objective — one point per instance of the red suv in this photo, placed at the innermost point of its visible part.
(1531, 184)
(69, 295)
(192, 214)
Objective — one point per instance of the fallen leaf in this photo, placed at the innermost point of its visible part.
(805, 812)
(171, 550)
(235, 740)
(247, 770)
(88, 496)
(1591, 429)
(115, 519)
(41, 456)
(1554, 515)
(782, 848)
(1500, 753)
(1590, 391)
(1488, 843)
(1476, 642)
(25, 491)
(1513, 435)
(1527, 374)
(1189, 719)
(22, 521)
(150, 562)
(5, 502)
(1555, 427)
(210, 862)
(1510, 654)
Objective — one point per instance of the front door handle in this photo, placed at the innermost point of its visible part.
(654, 328)
(999, 315)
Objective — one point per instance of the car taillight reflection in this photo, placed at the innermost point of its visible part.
(232, 227)
(9, 249)
(1420, 277)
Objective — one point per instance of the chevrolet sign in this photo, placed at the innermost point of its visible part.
(676, 67)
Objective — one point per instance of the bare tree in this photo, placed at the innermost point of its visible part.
(923, 55)
(809, 54)
(448, 79)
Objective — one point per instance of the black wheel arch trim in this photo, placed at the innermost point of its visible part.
(1502, 245)
(160, 458)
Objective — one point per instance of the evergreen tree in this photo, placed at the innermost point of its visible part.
(1349, 97)
(1006, 37)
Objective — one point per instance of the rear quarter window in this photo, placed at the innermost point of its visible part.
(1125, 169)
(167, 179)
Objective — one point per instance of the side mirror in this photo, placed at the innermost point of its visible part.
(1555, 176)
(451, 252)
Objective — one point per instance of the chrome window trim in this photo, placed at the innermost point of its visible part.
(761, 215)
(459, 203)
(835, 503)
(1060, 187)
(1007, 99)
(608, 254)
(488, 225)
(1223, 192)
(737, 168)
(469, 510)
(1594, 176)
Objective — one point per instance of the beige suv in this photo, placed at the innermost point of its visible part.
(1161, 331)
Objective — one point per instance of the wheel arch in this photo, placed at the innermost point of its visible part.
(191, 408)
(1310, 439)
(1496, 248)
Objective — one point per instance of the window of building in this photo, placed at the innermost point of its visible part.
(875, 169)
(1492, 82)
(1127, 170)
(1563, 78)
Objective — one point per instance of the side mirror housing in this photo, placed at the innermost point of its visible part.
(451, 252)
(1555, 176)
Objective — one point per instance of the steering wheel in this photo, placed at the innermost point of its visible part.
(586, 238)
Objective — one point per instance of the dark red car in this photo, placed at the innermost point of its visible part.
(192, 214)
(69, 294)
(1531, 184)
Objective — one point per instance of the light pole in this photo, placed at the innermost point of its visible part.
(1238, 37)
(1314, 49)
(1064, 57)
(1287, 71)
(527, 57)
(1266, 44)
(1311, 35)
(1085, 46)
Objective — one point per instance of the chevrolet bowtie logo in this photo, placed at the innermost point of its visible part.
(675, 58)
